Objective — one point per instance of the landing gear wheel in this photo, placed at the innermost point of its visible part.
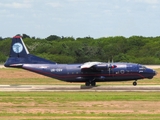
(90, 83)
(87, 83)
(134, 83)
(93, 83)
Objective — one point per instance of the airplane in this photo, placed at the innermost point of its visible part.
(89, 72)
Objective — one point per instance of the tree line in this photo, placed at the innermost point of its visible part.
(136, 49)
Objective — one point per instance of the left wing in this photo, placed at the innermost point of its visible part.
(98, 66)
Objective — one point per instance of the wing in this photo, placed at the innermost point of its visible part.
(97, 66)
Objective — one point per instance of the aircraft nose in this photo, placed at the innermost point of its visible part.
(154, 72)
(151, 73)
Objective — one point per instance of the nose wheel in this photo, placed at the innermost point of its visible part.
(134, 83)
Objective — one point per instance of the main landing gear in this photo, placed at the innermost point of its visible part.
(93, 83)
(135, 83)
(90, 83)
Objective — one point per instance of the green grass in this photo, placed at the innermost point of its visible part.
(43, 97)
(50, 116)
(74, 105)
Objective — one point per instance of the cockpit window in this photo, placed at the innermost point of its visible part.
(142, 67)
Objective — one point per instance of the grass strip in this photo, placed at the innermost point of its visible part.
(79, 96)
(79, 105)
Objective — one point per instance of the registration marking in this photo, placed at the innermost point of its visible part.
(56, 70)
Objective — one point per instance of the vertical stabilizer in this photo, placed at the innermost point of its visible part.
(18, 48)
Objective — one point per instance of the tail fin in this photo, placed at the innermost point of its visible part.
(18, 48)
(19, 55)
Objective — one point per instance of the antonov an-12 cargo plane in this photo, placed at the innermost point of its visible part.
(89, 72)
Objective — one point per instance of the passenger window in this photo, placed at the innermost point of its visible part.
(117, 72)
(122, 71)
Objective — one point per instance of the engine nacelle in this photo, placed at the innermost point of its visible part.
(102, 67)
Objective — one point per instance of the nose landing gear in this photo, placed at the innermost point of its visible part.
(135, 83)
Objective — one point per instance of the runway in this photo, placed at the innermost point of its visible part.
(52, 88)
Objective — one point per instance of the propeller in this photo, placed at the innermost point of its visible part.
(112, 67)
(109, 66)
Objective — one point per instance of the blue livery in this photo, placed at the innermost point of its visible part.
(89, 72)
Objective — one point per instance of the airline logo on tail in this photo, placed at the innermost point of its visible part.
(17, 47)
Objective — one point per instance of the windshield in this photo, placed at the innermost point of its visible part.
(142, 67)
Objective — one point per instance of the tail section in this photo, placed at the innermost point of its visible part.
(18, 48)
(19, 55)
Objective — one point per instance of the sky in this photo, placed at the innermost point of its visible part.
(80, 18)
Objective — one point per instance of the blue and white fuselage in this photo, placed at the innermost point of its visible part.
(74, 73)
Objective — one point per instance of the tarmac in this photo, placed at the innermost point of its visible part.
(52, 88)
